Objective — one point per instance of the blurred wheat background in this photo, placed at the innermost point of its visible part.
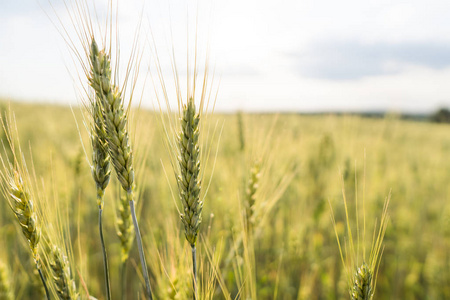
(295, 255)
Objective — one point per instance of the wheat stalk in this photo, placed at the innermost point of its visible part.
(101, 173)
(189, 181)
(115, 121)
(184, 138)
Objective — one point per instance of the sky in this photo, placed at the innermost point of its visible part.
(286, 55)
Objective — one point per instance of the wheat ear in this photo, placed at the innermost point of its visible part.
(119, 148)
(362, 283)
(114, 116)
(189, 182)
(250, 199)
(62, 277)
(22, 205)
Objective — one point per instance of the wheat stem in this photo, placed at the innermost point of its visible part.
(194, 270)
(140, 248)
(47, 293)
(105, 256)
(123, 274)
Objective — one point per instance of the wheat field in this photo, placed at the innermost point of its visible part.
(266, 230)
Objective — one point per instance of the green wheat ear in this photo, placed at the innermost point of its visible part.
(61, 274)
(23, 207)
(362, 283)
(189, 181)
(114, 116)
(100, 81)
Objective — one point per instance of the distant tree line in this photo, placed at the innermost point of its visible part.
(441, 116)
